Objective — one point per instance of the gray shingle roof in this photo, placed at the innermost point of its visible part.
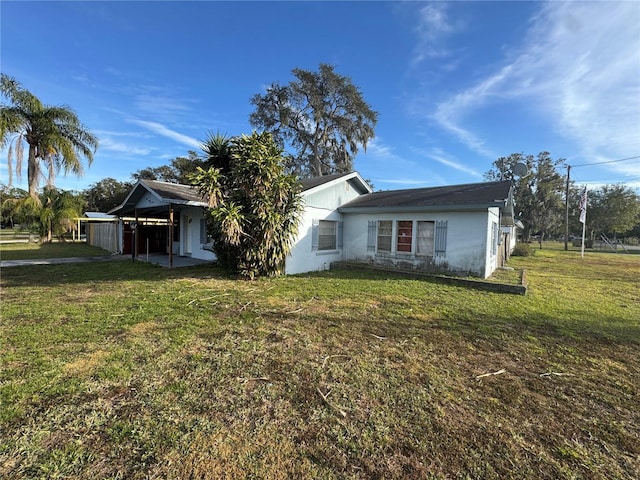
(169, 193)
(471, 194)
(309, 183)
(173, 191)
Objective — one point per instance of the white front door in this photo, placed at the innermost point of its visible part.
(186, 235)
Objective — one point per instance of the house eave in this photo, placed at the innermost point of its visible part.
(363, 186)
(421, 208)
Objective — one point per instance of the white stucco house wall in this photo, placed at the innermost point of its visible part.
(467, 229)
(321, 231)
(453, 228)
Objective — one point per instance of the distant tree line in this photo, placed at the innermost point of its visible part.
(316, 124)
(539, 197)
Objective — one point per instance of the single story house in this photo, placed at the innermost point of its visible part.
(467, 229)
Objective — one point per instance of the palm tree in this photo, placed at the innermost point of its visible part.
(56, 138)
(57, 213)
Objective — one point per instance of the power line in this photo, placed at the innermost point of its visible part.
(566, 198)
(609, 161)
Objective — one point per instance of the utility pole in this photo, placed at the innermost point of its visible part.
(566, 211)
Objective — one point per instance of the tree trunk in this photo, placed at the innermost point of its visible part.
(32, 172)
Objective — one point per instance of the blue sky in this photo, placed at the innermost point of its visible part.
(456, 84)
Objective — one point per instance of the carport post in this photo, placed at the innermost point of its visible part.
(135, 235)
(170, 235)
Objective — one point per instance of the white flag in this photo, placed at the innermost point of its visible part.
(583, 206)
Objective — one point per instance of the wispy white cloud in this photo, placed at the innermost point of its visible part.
(578, 68)
(81, 77)
(398, 170)
(113, 71)
(109, 144)
(165, 131)
(381, 153)
(409, 182)
(587, 63)
(159, 105)
(115, 133)
(450, 113)
(433, 25)
(441, 157)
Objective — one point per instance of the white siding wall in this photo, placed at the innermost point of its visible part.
(467, 234)
(492, 254)
(149, 200)
(303, 258)
(319, 205)
(190, 229)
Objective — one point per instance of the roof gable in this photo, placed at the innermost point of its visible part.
(163, 194)
(325, 181)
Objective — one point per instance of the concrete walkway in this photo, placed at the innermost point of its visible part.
(53, 261)
(162, 260)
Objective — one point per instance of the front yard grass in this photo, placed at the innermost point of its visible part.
(135, 371)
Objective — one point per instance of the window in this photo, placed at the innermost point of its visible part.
(204, 235)
(327, 235)
(430, 237)
(384, 235)
(405, 236)
(425, 238)
(494, 238)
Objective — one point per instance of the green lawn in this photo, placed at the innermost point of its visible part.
(135, 371)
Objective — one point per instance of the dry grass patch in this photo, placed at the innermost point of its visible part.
(85, 364)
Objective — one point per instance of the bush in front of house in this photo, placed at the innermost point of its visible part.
(523, 250)
(254, 205)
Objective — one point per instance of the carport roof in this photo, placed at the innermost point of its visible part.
(164, 193)
(176, 194)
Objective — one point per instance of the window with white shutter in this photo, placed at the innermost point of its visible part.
(371, 236)
(441, 238)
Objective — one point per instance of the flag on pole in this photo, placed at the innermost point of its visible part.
(583, 206)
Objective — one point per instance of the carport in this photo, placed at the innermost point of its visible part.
(151, 217)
